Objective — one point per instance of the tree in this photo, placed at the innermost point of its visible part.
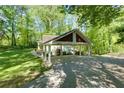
(97, 20)
(95, 15)
(51, 17)
(10, 13)
(25, 25)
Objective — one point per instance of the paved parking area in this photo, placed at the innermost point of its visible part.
(82, 71)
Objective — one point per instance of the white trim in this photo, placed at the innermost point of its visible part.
(66, 43)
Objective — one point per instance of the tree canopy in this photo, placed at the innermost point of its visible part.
(22, 26)
(99, 23)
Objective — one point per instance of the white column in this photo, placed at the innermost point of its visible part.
(74, 49)
(89, 51)
(49, 54)
(61, 53)
(45, 53)
(74, 41)
(42, 55)
(74, 37)
(80, 51)
(38, 45)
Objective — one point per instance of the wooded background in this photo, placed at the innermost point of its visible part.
(22, 26)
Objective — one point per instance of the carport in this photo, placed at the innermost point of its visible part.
(72, 38)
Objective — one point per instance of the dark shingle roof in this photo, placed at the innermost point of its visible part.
(46, 38)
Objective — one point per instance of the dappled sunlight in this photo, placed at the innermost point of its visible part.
(15, 60)
(118, 71)
(67, 71)
(14, 56)
(84, 71)
(49, 79)
(11, 69)
(15, 64)
(16, 81)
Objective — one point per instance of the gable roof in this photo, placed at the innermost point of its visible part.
(49, 38)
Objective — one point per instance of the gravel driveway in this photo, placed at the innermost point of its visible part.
(82, 71)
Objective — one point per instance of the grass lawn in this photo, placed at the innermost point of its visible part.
(18, 66)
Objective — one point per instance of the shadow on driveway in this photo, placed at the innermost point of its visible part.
(83, 71)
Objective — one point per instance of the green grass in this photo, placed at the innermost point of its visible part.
(18, 66)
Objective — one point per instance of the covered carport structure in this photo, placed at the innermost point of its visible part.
(72, 38)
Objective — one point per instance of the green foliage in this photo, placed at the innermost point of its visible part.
(24, 25)
(95, 15)
(52, 19)
(118, 26)
(100, 25)
(20, 27)
(18, 66)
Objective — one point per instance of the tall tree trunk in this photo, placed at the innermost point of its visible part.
(13, 41)
(27, 30)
